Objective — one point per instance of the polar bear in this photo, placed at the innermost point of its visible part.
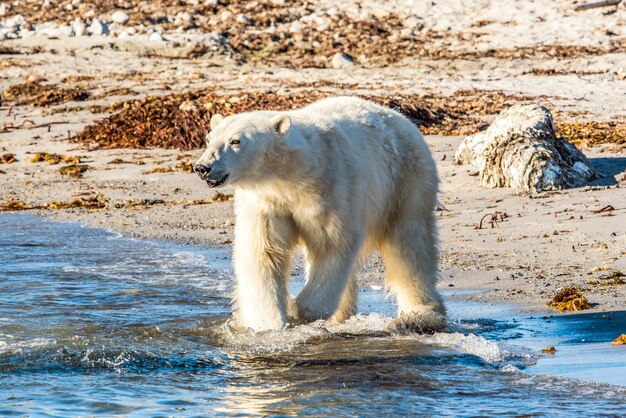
(342, 177)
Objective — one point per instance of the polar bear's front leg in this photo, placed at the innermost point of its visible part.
(327, 282)
(262, 256)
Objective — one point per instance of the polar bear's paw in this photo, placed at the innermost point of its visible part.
(427, 322)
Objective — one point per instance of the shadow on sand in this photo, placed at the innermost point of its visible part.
(609, 169)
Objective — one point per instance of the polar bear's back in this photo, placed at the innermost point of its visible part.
(373, 155)
(361, 126)
(346, 109)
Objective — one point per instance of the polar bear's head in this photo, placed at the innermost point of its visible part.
(243, 148)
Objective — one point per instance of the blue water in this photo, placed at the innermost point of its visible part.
(93, 323)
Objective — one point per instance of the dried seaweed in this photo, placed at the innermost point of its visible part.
(182, 121)
(592, 133)
(176, 121)
(381, 39)
(569, 299)
(16, 205)
(7, 50)
(38, 94)
(613, 279)
(74, 170)
(7, 158)
(139, 203)
(52, 158)
(94, 202)
(222, 197)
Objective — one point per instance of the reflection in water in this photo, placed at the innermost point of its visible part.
(94, 323)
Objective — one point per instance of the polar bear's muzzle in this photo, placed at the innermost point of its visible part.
(212, 178)
(218, 182)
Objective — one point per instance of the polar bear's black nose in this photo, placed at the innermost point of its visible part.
(202, 171)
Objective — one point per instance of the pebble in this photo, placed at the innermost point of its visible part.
(15, 22)
(295, 27)
(124, 35)
(119, 17)
(156, 37)
(98, 27)
(79, 28)
(184, 17)
(241, 18)
(342, 61)
(4, 8)
(65, 30)
(225, 15)
(413, 23)
(33, 78)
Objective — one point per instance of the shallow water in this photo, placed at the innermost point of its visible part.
(95, 323)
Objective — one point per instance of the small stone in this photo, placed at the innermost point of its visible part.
(33, 78)
(413, 23)
(156, 37)
(98, 27)
(48, 30)
(15, 22)
(69, 7)
(241, 18)
(295, 27)
(79, 28)
(124, 35)
(65, 30)
(342, 61)
(211, 2)
(4, 8)
(184, 17)
(120, 17)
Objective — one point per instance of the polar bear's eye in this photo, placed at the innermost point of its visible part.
(234, 142)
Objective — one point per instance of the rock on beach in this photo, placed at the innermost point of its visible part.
(521, 150)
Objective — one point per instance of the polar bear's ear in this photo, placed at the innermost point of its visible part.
(215, 120)
(281, 123)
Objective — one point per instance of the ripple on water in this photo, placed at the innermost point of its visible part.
(98, 324)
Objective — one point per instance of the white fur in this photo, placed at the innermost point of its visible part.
(342, 177)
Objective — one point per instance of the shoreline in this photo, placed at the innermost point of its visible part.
(506, 263)
(467, 69)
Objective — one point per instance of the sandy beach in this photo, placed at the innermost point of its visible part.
(473, 61)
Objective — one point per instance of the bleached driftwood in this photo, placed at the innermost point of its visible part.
(520, 150)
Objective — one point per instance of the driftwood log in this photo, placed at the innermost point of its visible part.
(520, 150)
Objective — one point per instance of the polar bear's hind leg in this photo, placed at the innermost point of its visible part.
(411, 257)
